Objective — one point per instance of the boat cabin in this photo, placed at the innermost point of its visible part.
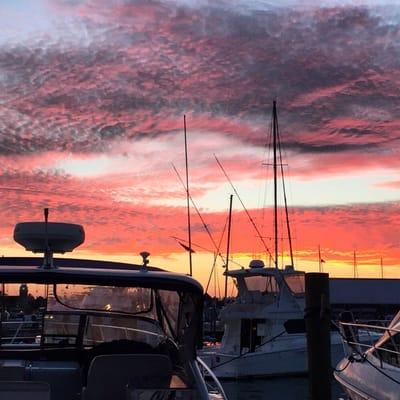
(82, 329)
(260, 284)
(269, 301)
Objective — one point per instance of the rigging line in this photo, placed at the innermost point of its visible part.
(284, 197)
(219, 288)
(216, 254)
(215, 282)
(267, 179)
(187, 197)
(244, 207)
(349, 360)
(200, 216)
(178, 239)
(249, 351)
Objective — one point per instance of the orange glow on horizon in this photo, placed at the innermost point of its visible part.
(341, 266)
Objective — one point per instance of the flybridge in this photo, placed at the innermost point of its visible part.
(49, 238)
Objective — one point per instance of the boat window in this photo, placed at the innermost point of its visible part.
(264, 284)
(169, 308)
(22, 309)
(75, 314)
(60, 329)
(295, 282)
(99, 329)
(131, 300)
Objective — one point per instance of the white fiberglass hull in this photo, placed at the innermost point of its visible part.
(284, 356)
(362, 381)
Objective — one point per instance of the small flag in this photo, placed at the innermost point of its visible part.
(187, 248)
(322, 260)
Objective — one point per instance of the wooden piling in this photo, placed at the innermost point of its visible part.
(318, 327)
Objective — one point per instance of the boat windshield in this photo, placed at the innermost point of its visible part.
(72, 314)
(261, 283)
(295, 282)
(131, 300)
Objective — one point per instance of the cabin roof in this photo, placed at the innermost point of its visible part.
(261, 272)
(18, 269)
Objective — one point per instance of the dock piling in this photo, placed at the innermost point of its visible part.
(318, 324)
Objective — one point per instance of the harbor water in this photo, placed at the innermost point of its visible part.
(274, 389)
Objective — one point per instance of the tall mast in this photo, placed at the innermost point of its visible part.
(275, 133)
(188, 199)
(284, 196)
(228, 246)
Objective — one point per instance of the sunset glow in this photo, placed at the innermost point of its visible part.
(92, 98)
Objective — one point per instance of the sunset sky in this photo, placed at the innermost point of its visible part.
(92, 98)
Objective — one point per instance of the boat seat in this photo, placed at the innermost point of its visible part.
(109, 375)
(24, 390)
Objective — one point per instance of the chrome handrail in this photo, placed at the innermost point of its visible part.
(352, 338)
(210, 373)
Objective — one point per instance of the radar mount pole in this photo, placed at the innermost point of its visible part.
(48, 254)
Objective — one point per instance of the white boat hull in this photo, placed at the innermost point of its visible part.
(362, 381)
(284, 356)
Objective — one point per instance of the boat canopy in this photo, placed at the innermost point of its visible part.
(138, 303)
(268, 280)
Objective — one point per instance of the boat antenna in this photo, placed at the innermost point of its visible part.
(284, 191)
(245, 209)
(48, 254)
(187, 196)
(145, 259)
(228, 245)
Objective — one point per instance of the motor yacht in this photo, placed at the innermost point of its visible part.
(371, 371)
(264, 328)
(93, 330)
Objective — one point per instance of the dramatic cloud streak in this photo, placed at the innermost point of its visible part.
(92, 97)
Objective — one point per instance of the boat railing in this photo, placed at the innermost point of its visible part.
(362, 337)
(20, 331)
(214, 386)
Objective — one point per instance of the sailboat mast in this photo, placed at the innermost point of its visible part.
(284, 195)
(228, 246)
(188, 198)
(274, 143)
